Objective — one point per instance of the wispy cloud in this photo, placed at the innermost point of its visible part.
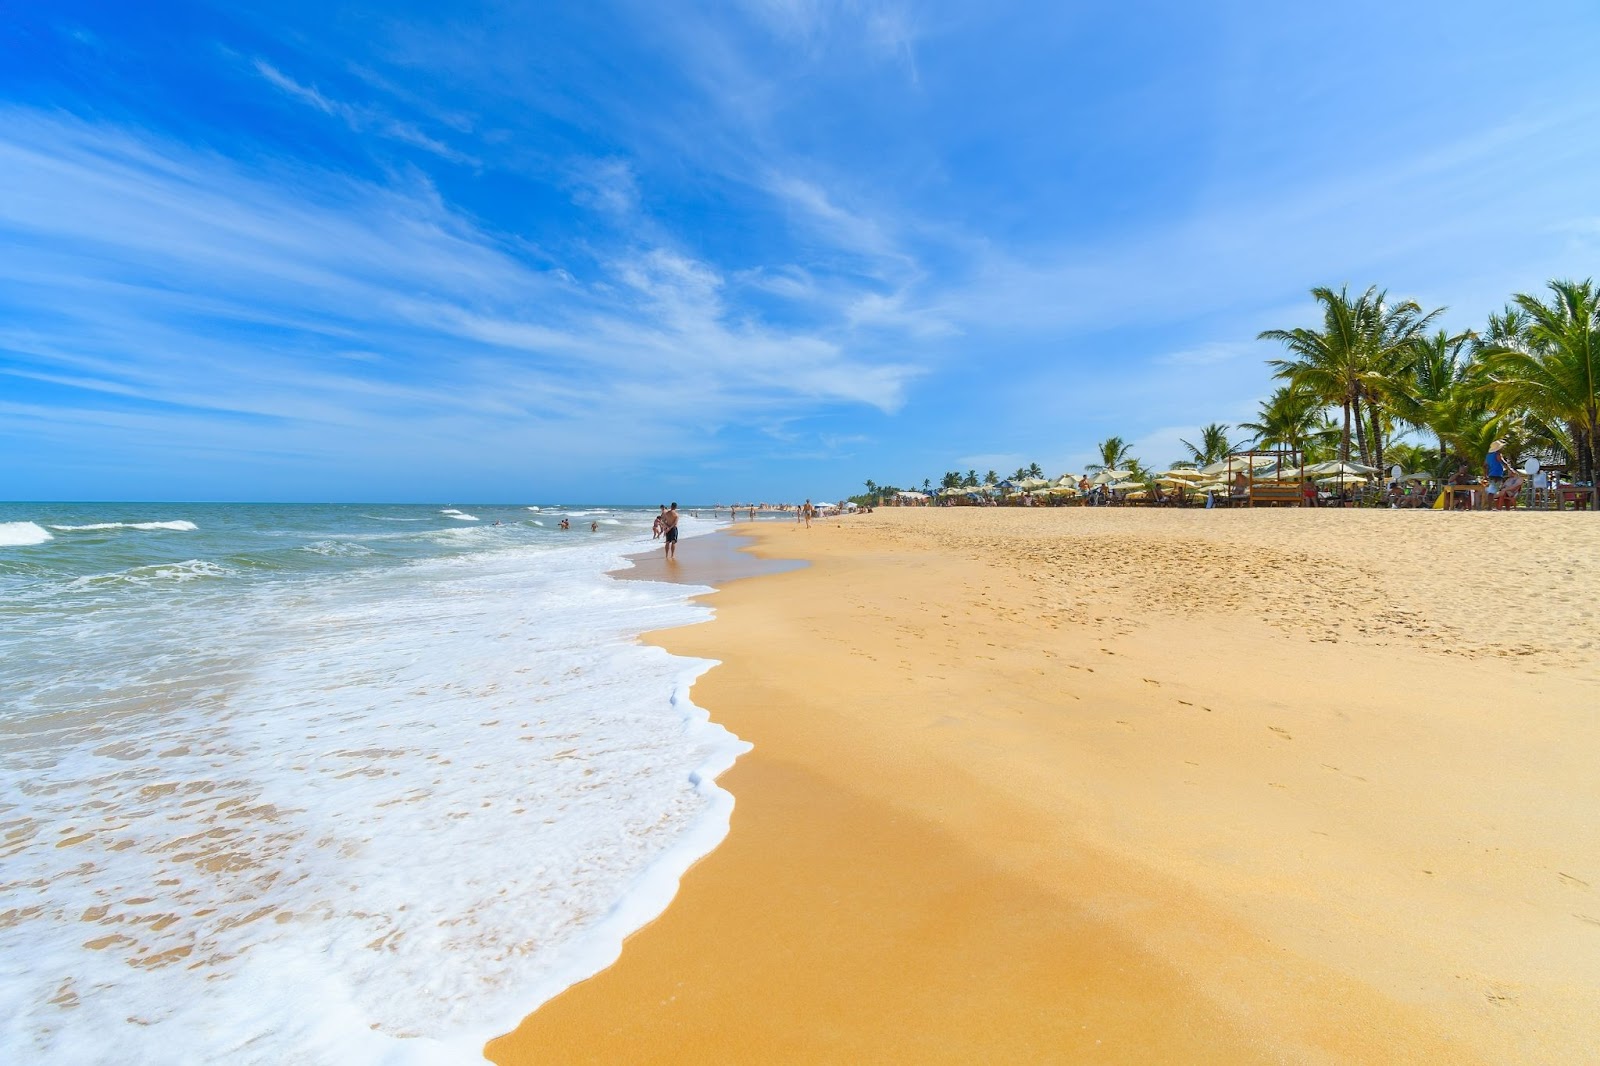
(815, 210)
(360, 118)
(607, 185)
(885, 29)
(141, 271)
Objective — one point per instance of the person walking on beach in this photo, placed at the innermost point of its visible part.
(669, 524)
(806, 511)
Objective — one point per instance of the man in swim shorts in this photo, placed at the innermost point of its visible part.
(669, 522)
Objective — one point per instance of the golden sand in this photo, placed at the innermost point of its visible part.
(1133, 786)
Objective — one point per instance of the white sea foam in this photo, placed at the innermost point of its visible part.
(22, 534)
(461, 516)
(187, 570)
(336, 548)
(180, 525)
(535, 508)
(387, 518)
(391, 813)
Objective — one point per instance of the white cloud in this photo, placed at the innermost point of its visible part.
(141, 270)
(844, 229)
(361, 119)
(885, 29)
(607, 185)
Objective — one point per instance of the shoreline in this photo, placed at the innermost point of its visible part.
(989, 818)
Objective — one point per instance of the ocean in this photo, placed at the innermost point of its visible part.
(331, 783)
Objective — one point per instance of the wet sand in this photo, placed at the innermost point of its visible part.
(713, 559)
(1136, 786)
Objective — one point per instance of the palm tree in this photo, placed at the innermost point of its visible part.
(951, 480)
(1114, 455)
(1438, 394)
(971, 479)
(1289, 418)
(991, 478)
(1035, 470)
(1021, 473)
(1413, 458)
(1554, 372)
(927, 485)
(1213, 446)
(1351, 361)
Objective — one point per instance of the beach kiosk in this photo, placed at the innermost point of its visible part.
(1273, 477)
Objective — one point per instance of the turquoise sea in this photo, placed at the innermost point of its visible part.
(330, 782)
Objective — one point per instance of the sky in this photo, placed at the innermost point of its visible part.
(757, 250)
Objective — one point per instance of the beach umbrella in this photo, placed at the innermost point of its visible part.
(1105, 477)
(1126, 486)
(1342, 479)
(1334, 466)
(1184, 473)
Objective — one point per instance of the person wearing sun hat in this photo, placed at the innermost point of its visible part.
(1496, 467)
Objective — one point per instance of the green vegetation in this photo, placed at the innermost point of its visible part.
(1378, 383)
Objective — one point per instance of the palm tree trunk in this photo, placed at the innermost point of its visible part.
(1344, 437)
(1361, 433)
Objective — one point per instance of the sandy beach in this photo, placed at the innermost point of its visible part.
(1135, 786)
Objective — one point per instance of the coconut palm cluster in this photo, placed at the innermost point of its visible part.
(1378, 384)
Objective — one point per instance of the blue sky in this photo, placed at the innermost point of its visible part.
(621, 251)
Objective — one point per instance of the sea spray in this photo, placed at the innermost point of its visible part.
(351, 807)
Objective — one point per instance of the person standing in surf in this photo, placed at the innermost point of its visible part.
(669, 523)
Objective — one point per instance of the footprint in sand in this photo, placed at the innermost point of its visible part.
(1284, 733)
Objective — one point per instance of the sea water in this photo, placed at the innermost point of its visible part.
(330, 783)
